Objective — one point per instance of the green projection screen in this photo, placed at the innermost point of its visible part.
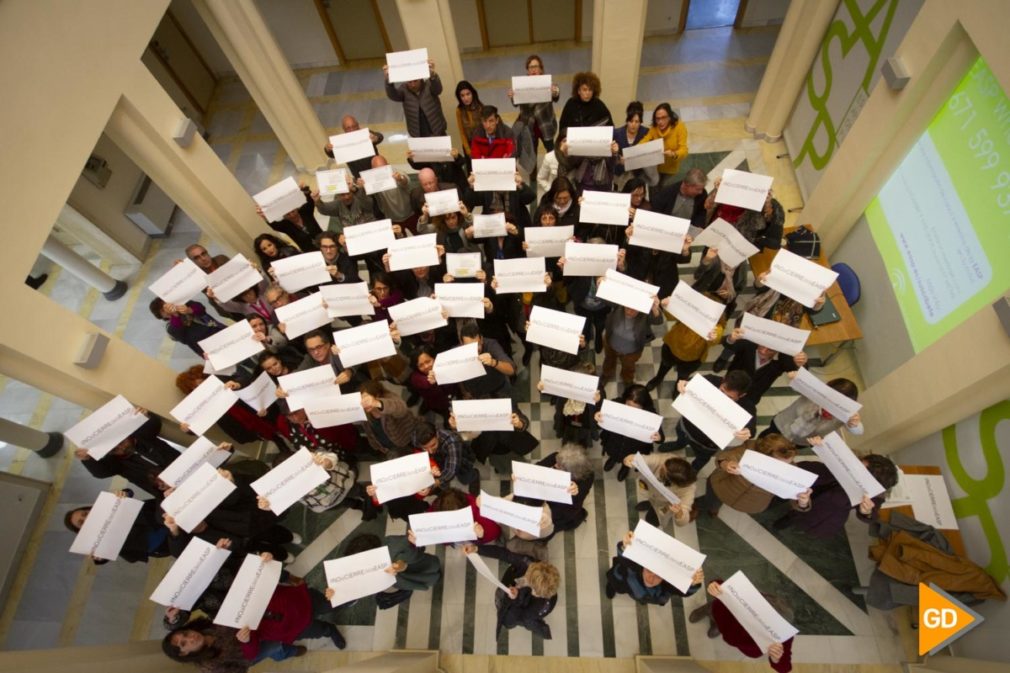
(942, 221)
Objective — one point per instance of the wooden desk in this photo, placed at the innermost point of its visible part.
(846, 329)
(953, 535)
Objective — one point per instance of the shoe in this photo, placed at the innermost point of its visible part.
(610, 591)
(698, 614)
(782, 523)
(296, 538)
(622, 473)
(694, 512)
(609, 465)
(643, 506)
(720, 364)
(300, 651)
(35, 282)
(413, 399)
(713, 630)
(652, 385)
(338, 639)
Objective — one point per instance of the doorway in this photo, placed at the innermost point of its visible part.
(712, 13)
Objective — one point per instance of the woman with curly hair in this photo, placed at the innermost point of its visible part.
(585, 108)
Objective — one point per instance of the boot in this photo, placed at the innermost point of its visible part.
(721, 362)
(622, 473)
(609, 465)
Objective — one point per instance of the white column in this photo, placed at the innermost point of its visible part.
(798, 41)
(45, 444)
(110, 288)
(246, 40)
(618, 30)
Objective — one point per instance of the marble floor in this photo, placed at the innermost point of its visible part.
(711, 76)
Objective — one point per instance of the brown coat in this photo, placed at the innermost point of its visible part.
(909, 560)
(733, 489)
(398, 422)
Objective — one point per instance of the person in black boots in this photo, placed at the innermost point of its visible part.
(618, 447)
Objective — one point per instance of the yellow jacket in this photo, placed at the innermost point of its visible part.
(674, 139)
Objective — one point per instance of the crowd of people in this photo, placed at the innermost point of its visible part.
(549, 189)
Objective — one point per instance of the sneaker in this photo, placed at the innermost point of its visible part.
(296, 538)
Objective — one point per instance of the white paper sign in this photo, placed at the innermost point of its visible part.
(364, 238)
(462, 264)
(442, 527)
(106, 426)
(259, 394)
(202, 407)
(930, 500)
(627, 291)
(848, 469)
(181, 283)
(628, 421)
(754, 612)
(743, 189)
(249, 594)
(695, 310)
(345, 299)
(233, 278)
(654, 483)
(364, 343)
(461, 300)
(290, 481)
(458, 364)
(195, 498)
(489, 226)
(799, 278)
(417, 315)
(555, 329)
(541, 483)
(231, 345)
(532, 89)
(520, 275)
(733, 248)
(199, 452)
(775, 476)
(494, 175)
(405, 66)
(484, 571)
(504, 511)
(658, 231)
(643, 155)
(712, 411)
(413, 252)
(401, 477)
(190, 575)
(547, 241)
(481, 415)
(326, 412)
(589, 259)
(309, 384)
(303, 315)
(280, 199)
(605, 208)
(209, 368)
(590, 141)
(570, 385)
(664, 555)
(358, 575)
(838, 405)
(105, 530)
(378, 180)
(330, 183)
(773, 334)
(442, 202)
(430, 150)
(301, 271)
(352, 145)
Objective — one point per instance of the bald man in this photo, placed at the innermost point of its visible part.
(349, 124)
(394, 203)
(429, 183)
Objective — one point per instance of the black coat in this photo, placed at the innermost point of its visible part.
(568, 517)
(744, 359)
(141, 467)
(525, 609)
(303, 238)
(665, 199)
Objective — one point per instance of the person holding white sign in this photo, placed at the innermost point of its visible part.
(677, 476)
(627, 136)
(805, 418)
(643, 585)
(350, 124)
(617, 446)
(727, 485)
(762, 364)
(422, 109)
(571, 459)
(391, 425)
(666, 126)
(585, 108)
(824, 512)
(348, 208)
(188, 323)
(392, 196)
(148, 536)
(593, 173)
(735, 634)
(532, 589)
(539, 118)
(413, 569)
(341, 486)
(139, 458)
(299, 225)
(625, 336)
(493, 139)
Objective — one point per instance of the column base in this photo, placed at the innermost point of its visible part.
(117, 291)
(53, 446)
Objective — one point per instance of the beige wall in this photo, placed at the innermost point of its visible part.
(299, 31)
(104, 207)
(196, 30)
(464, 16)
(394, 26)
(663, 17)
(969, 368)
(764, 12)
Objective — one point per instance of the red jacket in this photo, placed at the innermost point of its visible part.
(288, 613)
(503, 146)
(736, 635)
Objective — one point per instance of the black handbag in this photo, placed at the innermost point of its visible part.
(804, 242)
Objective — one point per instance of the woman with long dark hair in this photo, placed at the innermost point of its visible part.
(270, 248)
(467, 113)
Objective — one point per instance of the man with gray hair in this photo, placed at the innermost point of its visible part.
(685, 198)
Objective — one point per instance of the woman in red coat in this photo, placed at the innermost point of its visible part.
(780, 655)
